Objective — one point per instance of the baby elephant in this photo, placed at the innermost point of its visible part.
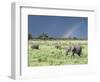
(58, 47)
(35, 46)
(75, 49)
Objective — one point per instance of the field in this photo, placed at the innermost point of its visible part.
(48, 54)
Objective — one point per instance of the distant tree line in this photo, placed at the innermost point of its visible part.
(44, 36)
(30, 36)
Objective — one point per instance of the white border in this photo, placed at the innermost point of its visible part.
(20, 11)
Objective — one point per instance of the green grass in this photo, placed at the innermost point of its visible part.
(47, 54)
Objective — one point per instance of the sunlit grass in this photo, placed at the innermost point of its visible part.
(47, 54)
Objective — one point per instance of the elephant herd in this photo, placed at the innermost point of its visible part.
(74, 49)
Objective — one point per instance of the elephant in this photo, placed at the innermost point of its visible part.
(75, 49)
(35, 46)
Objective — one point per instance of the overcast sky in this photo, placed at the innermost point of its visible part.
(58, 26)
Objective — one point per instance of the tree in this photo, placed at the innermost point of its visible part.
(75, 38)
(43, 36)
(30, 36)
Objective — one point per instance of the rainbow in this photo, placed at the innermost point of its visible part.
(72, 29)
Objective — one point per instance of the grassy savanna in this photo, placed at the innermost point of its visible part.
(48, 54)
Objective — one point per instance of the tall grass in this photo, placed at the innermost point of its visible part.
(48, 54)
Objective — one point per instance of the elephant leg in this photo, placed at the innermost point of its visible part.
(72, 53)
(79, 54)
(67, 53)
